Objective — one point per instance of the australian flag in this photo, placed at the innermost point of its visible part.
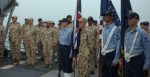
(107, 5)
(76, 24)
(76, 30)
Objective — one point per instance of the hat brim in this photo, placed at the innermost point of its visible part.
(108, 15)
(130, 17)
(14, 17)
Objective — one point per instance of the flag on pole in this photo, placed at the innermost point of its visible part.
(126, 9)
(76, 24)
(76, 30)
(107, 5)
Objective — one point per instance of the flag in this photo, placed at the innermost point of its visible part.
(126, 9)
(76, 30)
(107, 5)
(76, 24)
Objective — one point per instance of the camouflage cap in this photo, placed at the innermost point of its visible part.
(42, 21)
(48, 22)
(26, 19)
(52, 22)
(30, 19)
(14, 17)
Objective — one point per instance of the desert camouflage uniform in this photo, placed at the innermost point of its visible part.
(94, 32)
(85, 53)
(56, 48)
(49, 40)
(39, 32)
(30, 42)
(15, 39)
(2, 41)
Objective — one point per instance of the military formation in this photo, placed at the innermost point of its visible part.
(98, 50)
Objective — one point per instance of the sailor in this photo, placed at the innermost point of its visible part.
(65, 47)
(69, 17)
(137, 46)
(110, 46)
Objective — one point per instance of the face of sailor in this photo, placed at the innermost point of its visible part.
(108, 18)
(132, 21)
(146, 27)
(64, 24)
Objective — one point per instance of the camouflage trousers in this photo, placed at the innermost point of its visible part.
(1, 50)
(48, 53)
(40, 49)
(30, 53)
(15, 48)
(93, 59)
(83, 66)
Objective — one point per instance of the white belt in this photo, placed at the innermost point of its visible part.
(134, 55)
(104, 52)
(128, 56)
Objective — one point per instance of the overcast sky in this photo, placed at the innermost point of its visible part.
(57, 9)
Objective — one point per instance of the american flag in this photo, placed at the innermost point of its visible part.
(107, 5)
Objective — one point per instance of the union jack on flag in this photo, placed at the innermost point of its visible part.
(76, 24)
(76, 30)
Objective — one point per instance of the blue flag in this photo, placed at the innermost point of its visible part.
(125, 11)
(107, 5)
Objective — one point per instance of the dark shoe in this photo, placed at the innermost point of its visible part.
(46, 66)
(1, 59)
(42, 59)
(32, 65)
(59, 75)
(92, 72)
(27, 65)
(18, 62)
(14, 60)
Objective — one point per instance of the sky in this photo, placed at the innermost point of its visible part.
(55, 10)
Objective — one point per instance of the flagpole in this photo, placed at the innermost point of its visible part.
(126, 9)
